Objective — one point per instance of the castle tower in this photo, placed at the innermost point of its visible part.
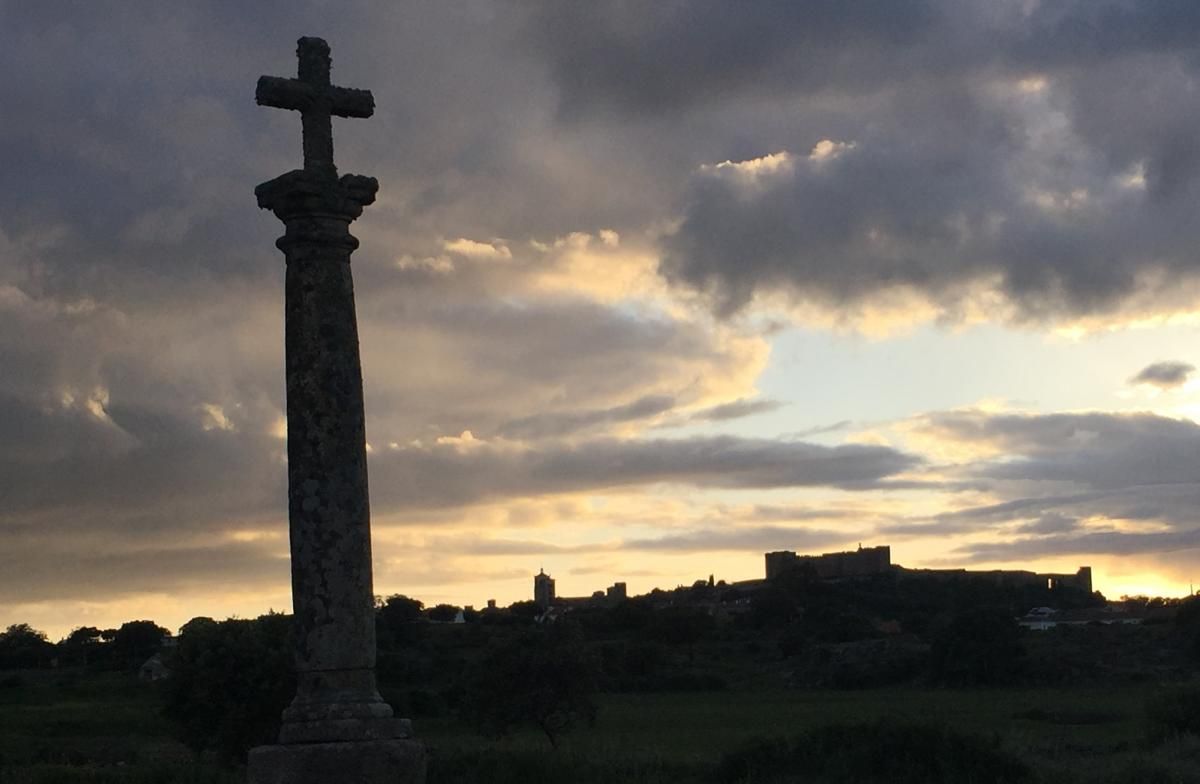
(543, 589)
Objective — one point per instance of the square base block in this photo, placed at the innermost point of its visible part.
(344, 762)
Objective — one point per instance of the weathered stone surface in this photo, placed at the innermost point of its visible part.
(317, 101)
(328, 507)
(338, 728)
(303, 193)
(365, 762)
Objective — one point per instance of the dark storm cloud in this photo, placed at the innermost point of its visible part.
(1164, 375)
(1048, 524)
(1130, 481)
(462, 475)
(1170, 507)
(1098, 543)
(1099, 451)
(140, 472)
(1018, 509)
(661, 57)
(92, 575)
(941, 216)
(1069, 193)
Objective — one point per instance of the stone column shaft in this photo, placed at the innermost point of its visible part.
(328, 507)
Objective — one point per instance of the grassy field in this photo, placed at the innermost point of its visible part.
(64, 728)
(1082, 735)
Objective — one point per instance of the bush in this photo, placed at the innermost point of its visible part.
(631, 665)
(979, 647)
(22, 647)
(543, 677)
(135, 642)
(1187, 627)
(873, 754)
(1174, 714)
(230, 682)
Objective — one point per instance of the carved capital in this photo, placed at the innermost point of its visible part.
(301, 193)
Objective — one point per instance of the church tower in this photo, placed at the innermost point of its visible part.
(543, 589)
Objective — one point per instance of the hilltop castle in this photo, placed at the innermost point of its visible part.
(850, 565)
(867, 561)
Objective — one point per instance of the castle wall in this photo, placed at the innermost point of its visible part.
(868, 561)
(863, 562)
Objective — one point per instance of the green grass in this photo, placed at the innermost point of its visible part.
(65, 729)
(1067, 735)
(699, 726)
(68, 727)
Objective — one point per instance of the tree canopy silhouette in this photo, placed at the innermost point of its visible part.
(543, 676)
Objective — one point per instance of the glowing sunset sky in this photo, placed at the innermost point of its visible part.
(650, 288)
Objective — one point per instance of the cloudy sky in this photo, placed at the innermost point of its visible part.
(649, 289)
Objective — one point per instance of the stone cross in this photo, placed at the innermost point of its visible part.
(317, 101)
(337, 728)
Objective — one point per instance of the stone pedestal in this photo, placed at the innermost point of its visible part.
(360, 762)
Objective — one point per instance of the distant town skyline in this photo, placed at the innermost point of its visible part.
(649, 290)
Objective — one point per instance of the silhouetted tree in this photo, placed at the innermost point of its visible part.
(631, 665)
(543, 676)
(396, 621)
(196, 624)
(683, 627)
(398, 610)
(1187, 626)
(137, 641)
(631, 616)
(443, 613)
(22, 646)
(527, 609)
(80, 645)
(230, 682)
(977, 647)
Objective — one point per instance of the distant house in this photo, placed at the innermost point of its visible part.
(153, 670)
(1043, 618)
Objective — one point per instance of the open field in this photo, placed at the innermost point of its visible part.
(64, 727)
(1067, 735)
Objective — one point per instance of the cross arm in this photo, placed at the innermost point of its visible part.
(349, 102)
(284, 93)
